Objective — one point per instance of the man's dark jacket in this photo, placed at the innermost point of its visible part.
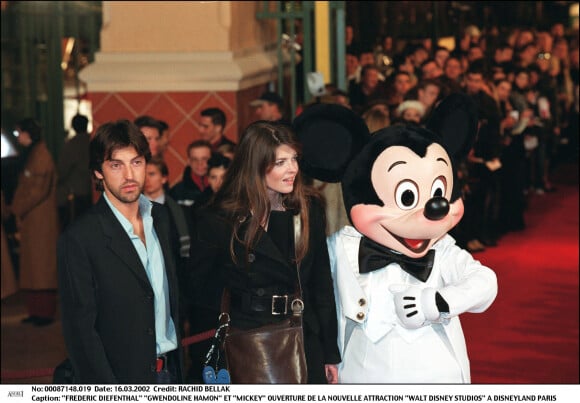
(107, 302)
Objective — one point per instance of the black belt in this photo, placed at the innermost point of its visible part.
(276, 304)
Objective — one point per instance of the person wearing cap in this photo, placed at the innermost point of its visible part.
(269, 106)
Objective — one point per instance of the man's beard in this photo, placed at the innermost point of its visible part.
(127, 197)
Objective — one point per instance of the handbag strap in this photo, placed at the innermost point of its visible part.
(225, 305)
(297, 232)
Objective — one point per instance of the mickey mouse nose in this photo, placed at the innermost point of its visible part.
(436, 208)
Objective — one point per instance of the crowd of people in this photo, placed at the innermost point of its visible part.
(525, 84)
(125, 264)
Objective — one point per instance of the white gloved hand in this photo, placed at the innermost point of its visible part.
(415, 306)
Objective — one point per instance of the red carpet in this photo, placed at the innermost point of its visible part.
(530, 333)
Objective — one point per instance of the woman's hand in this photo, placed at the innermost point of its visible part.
(331, 373)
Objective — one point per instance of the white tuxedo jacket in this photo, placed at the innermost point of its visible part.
(375, 347)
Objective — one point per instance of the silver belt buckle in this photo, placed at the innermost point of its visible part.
(274, 299)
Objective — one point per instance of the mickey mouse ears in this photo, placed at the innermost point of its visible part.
(331, 135)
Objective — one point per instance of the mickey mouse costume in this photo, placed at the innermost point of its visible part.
(400, 280)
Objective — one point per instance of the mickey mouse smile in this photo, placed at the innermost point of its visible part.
(414, 245)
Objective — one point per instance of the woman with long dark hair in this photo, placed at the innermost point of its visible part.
(246, 240)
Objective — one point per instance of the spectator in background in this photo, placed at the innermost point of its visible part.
(429, 92)
(365, 56)
(217, 166)
(441, 55)
(503, 53)
(526, 55)
(557, 30)
(376, 119)
(269, 106)
(482, 206)
(34, 206)
(74, 186)
(418, 54)
(8, 281)
(398, 90)
(338, 96)
(227, 150)
(523, 38)
(352, 67)
(430, 70)
(501, 62)
(473, 34)
(474, 53)
(212, 124)
(194, 179)
(154, 130)
(370, 88)
(410, 111)
(155, 188)
(513, 155)
(402, 62)
(452, 77)
(570, 133)
(352, 44)
(200, 318)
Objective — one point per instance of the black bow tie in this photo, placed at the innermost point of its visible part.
(372, 256)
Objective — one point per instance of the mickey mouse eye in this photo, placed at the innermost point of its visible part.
(439, 186)
(407, 195)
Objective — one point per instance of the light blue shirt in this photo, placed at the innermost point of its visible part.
(152, 259)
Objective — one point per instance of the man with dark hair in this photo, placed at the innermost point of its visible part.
(369, 89)
(117, 277)
(153, 129)
(156, 190)
(452, 78)
(211, 127)
(73, 189)
(430, 70)
(194, 180)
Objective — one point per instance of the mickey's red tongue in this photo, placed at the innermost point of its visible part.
(414, 243)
